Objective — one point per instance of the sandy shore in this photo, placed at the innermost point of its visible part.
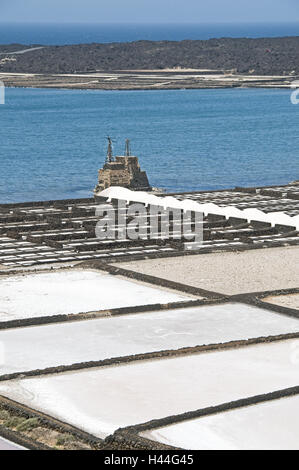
(227, 272)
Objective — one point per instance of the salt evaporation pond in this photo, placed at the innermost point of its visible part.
(68, 343)
(8, 445)
(266, 426)
(74, 291)
(100, 400)
(289, 300)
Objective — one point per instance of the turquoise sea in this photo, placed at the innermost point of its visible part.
(54, 141)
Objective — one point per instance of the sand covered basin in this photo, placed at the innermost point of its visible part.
(266, 426)
(74, 291)
(100, 400)
(93, 340)
(229, 273)
(289, 300)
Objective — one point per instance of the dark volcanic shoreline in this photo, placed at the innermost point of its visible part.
(134, 81)
(261, 56)
(150, 65)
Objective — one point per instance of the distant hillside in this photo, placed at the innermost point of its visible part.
(261, 56)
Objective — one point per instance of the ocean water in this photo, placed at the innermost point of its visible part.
(58, 34)
(54, 141)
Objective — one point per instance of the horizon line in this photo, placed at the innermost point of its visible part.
(152, 23)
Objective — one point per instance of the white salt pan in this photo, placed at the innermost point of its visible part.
(270, 425)
(8, 445)
(101, 400)
(67, 343)
(74, 291)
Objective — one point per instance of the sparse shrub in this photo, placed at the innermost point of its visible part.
(4, 414)
(14, 421)
(28, 424)
(65, 439)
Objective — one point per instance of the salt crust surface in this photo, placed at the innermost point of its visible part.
(74, 291)
(100, 400)
(51, 345)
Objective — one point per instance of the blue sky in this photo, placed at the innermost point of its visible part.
(149, 11)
